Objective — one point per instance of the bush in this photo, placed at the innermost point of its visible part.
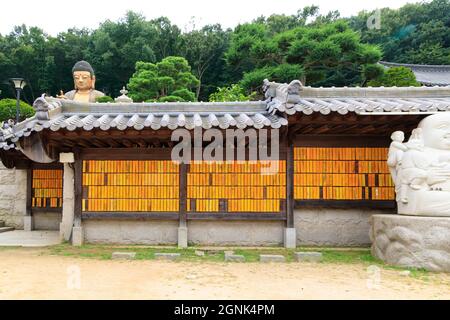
(233, 93)
(184, 94)
(104, 99)
(171, 99)
(8, 110)
(396, 77)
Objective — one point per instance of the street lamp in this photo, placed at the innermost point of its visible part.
(19, 84)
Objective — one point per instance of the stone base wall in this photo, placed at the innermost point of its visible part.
(411, 241)
(236, 233)
(13, 193)
(131, 232)
(334, 227)
(46, 221)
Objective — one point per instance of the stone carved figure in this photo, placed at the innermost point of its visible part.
(420, 168)
(84, 81)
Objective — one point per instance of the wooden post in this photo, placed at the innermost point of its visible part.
(29, 191)
(78, 166)
(183, 193)
(290, 182)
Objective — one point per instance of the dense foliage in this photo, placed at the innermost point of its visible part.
(397, 76)
(8, 110)
(416, 33)
(168, 80)
(321, 50)
(232, 93)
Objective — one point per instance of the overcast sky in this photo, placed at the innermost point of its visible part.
(55, 16)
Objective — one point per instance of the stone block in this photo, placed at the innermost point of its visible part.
(234, 258)
(199, 253)
(271, 258)
(66, 157)
(77, 236)
(28, 223)
(167, 256)
(182, 237)
(290, 238)
(6, 229)
(123, 255)
(308, 256)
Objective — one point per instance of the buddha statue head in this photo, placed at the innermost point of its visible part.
(436, 131)
(83, 76)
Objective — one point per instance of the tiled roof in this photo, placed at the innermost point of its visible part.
(281, 101)
(429, 75)
(55, 114)
(294, 98)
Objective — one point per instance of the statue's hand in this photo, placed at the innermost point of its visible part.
(61, 95)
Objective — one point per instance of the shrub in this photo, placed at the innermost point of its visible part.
(104, 99)
(8, 110)
(171, 99)
(233, 93)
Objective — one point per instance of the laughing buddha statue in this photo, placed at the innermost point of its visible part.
(421, 168)
(84, 81)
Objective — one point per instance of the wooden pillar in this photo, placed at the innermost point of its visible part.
(78, 232)
(290, 233)
(29, 191)
(183, 193)
(182, 227)
(290, 182)
(78, 167)
(28, 220)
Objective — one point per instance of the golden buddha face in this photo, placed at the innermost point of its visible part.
(83, 80)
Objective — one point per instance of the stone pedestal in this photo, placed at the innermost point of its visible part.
(77, 236)
(182, 237)
(412, 241)
(290, 238)
(28, 223)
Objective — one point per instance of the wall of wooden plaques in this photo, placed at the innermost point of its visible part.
(130, 186)
(330, 173)
(236, 186)
(47, 188)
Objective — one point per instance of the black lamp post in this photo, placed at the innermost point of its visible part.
(19, 84)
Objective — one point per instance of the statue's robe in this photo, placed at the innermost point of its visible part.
(93, 95)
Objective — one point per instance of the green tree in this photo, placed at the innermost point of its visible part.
(169, 77)
(320, 53)
(395, 77)
(415, 33)
(232, 93)
(204, 50)
(8, 110)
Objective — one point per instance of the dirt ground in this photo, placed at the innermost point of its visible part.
(34, 274)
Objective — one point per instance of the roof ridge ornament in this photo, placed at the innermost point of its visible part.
(42, 108)
(123, 98)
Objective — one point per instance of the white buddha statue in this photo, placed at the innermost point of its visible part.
(423, 176)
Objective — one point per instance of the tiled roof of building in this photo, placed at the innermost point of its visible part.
(56, 114)
(294, 98)
(281, 101)
(428, 75)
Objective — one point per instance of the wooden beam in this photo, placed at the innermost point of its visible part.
(240, 216)
(130, 215)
